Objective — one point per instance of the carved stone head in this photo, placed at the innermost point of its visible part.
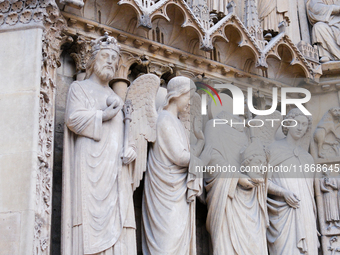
(104, 59)
(177, 87)
(304, 123)
(335, 111)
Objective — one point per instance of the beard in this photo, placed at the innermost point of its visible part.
(105, 73)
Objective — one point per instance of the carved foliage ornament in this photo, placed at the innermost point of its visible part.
(52, 40)
(15, 12)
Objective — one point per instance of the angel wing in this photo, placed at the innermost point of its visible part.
(192, 114)
(267, 133)
(142, 94)
(306, 140)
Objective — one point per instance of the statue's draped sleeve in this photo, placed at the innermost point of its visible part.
(79, 118)
(175, 149)
(177, 152)
(318, 11)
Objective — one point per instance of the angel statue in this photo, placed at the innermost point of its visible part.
(237, 211)
(291, 205)
(97, 211)
(168, 209)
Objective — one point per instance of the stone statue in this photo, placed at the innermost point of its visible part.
(271, 13)
(218, 6)
(237, 210)
(98, 213)
(324, 15)
(291, 205)
(328, 125)
(168, 210)
(329, 188)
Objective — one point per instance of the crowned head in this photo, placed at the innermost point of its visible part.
(105, 54)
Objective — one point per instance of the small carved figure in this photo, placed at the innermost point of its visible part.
(328, 124)
(324, 15)
(329, 187)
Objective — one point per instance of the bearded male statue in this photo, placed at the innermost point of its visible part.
(97, 211)
(324, 15)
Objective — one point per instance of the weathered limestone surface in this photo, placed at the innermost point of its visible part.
(20, 71)
(210, 41)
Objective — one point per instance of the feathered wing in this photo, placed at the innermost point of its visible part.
(266, 133)
(306, 140)
(193, 114)
(142, 94)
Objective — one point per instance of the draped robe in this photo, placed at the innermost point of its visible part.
(98, 213)
(330, 198)
(237, 218)
(292, 231)
(168, 208)
(326, 27)
(271, 13)
(218, 6)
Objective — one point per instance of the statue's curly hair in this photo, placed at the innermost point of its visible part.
(292, 114)
(178, 86)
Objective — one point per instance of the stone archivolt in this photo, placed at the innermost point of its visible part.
(229, 31)
(251, 55)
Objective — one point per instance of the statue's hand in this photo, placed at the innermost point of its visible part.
(197, 131)
(257, 180)
(291, 199)
(113, 100)
(111, 111)
(129, 156)
(245, 183)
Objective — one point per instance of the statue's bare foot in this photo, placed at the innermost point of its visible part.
(337, 224)
(321, 155)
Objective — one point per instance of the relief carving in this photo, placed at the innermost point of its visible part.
(324, 16)
(52, 41)
(81, 53)
(329, 188)
(326, 136)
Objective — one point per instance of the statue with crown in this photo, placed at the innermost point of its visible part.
(110, 142)
(98, 213)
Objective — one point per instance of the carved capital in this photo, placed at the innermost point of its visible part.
(160, 69)
(81, 53)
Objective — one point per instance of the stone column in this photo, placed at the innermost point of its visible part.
(29, 42)
(119, 86)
